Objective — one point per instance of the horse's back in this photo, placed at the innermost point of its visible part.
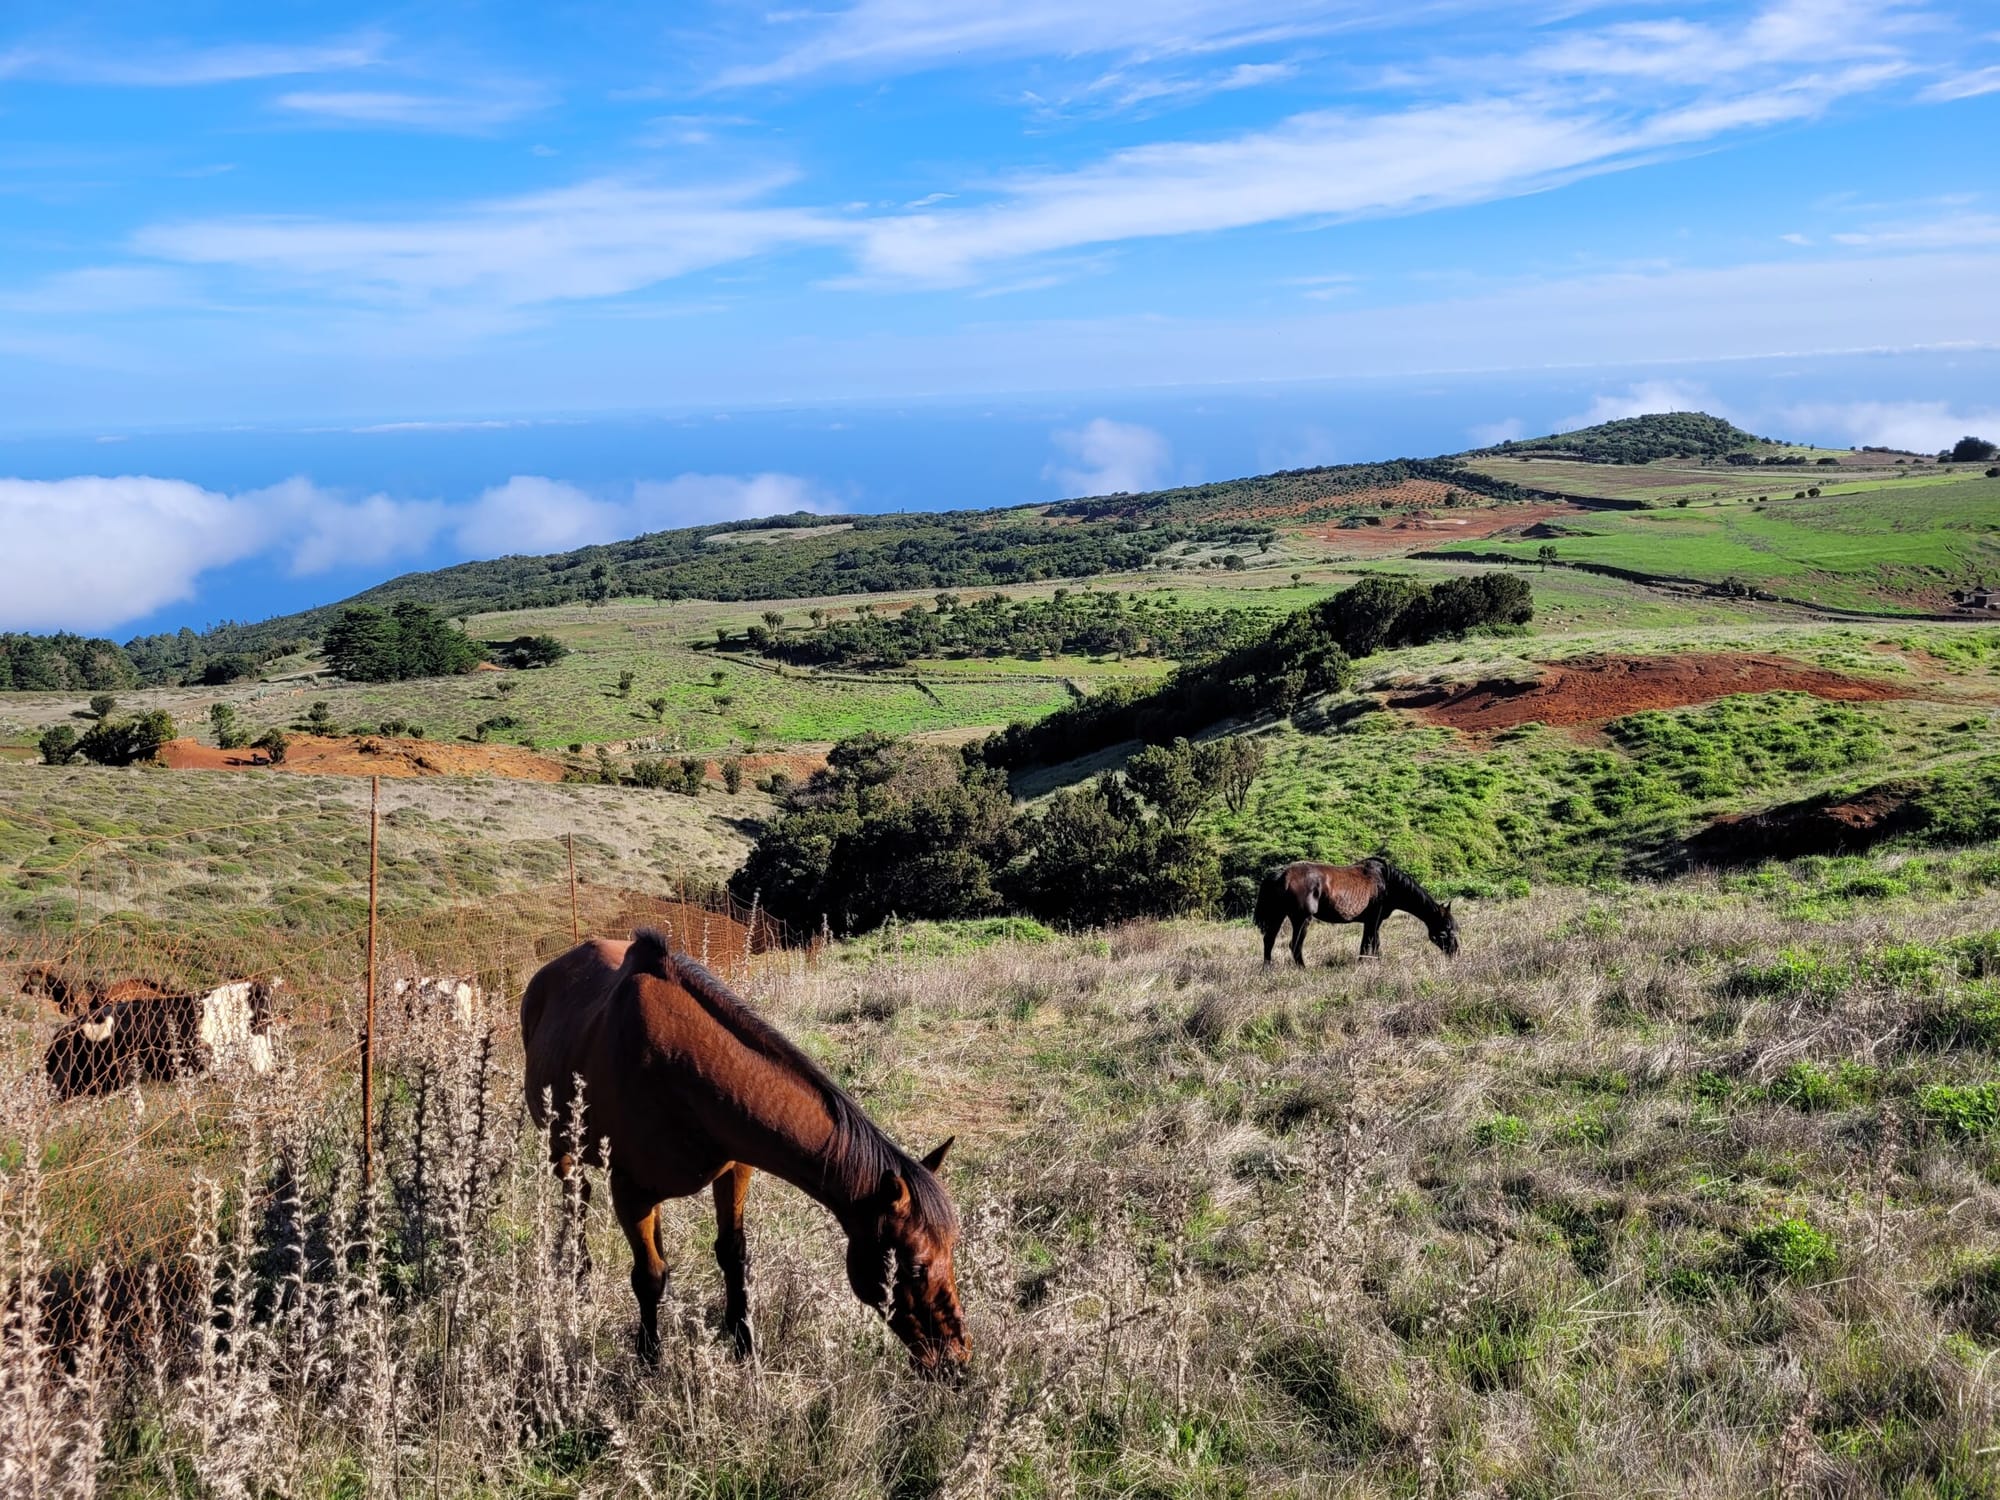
(562, 1008)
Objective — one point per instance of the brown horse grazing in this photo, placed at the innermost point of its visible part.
(691, 1087)
(1366, 893)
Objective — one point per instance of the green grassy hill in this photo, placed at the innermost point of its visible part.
(1885, 546)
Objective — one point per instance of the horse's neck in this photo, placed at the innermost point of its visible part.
(1405, 894)
(789, 1131)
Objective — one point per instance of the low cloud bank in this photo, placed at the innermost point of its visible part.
(92, 552)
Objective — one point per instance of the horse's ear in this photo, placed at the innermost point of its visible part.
(894, 1192)
(936, 1159)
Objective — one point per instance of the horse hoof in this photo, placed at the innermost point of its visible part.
(742, 1342)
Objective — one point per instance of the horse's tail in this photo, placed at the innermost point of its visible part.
(1271, 900)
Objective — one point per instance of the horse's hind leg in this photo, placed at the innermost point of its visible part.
(732, 1253)
(640, 1221)
(1271, 939)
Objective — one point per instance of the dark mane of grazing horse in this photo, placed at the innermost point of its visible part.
(1406, 893)
(858, 1155)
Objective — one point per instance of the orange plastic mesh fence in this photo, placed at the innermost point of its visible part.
(119, 1169)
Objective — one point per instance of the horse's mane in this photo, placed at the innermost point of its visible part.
(858, 1155)
(1413, 897)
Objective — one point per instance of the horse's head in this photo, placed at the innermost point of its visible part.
(899, 1246)
(1444, 931)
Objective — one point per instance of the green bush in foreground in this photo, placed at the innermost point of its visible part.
(1790, 1248)
(1968, 1109)
(57, 744)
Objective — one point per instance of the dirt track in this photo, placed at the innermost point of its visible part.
(1590, 689)
(313, 755)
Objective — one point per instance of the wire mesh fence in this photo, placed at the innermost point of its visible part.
(120, 1163)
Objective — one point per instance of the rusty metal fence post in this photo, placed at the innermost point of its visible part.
(575, 931)
(368, 1021)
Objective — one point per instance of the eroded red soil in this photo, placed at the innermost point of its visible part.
(1590, 689)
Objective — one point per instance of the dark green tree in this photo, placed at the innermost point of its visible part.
(57, 744)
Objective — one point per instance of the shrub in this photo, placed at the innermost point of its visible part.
(274, 744)
(125, 742)
(223, 670)
(886, 827)
(318, 719)
(1500, 1130)
(102, 705)
(1788, 1248)
(528, 651)
(57, 744)
(1964, 1110)
(732, 775)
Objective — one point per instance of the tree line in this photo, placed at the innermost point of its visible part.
(1309, 652)
(1070, 623)
(62, 663)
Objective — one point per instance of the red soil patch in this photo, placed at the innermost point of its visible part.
(1589, 689)
(313, 755)
(1453, 523)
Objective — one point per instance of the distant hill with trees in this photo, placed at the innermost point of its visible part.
(803, 555)
(1638, 440)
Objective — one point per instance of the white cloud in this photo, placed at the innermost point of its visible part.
(597, 239)
(1936, 234)
(1676, 50)
(877, 37)
(170, 67)
(1108, 457)
(1486, 434)
(1919, 426)
(86, 553)
(1642, 399)
(445, 114)
(1327, 164)
(1964, 86)
(92, 552)
(530, 514)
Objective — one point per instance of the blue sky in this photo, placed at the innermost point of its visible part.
(248, 254)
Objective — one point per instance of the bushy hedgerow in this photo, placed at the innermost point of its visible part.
(1307, 653)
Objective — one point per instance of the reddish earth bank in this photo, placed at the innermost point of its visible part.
(1589, 689)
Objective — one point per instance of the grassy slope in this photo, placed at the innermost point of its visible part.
(1349, 777)
(201, 849)
(1653, 1190)
(1886, 547)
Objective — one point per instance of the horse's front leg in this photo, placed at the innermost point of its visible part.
(1299, 925)
(1371, 937)
(640, 1220)
(732, 1253)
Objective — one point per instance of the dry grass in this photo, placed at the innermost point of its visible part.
(1499, 1226)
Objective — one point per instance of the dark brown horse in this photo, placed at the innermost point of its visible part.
(1304, 892)
(691, 1087)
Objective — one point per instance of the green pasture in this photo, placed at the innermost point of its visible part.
(1544, 804)
(1878, 549)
